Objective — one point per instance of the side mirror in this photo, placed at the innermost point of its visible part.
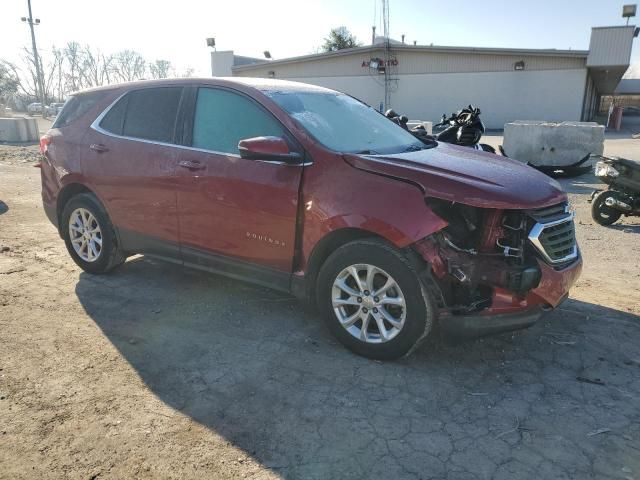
(274, 149)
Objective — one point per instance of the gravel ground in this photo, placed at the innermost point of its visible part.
(159, 372)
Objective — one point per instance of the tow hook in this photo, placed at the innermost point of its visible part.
(459, 274)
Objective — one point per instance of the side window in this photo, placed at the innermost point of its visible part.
(223, 118)
(114, 119)
(149, 114)
(75, 107)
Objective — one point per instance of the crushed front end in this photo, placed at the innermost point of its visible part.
(497, 270)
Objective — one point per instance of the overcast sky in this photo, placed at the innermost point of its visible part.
(176, 30)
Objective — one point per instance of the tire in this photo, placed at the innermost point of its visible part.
(108, 254)
(412, 321)
(487, 148)
(600, 212)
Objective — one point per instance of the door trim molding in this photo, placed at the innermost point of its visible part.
(139, 243)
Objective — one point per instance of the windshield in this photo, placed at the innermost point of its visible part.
(344, 124)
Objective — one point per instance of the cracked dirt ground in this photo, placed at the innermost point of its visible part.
(159, 372)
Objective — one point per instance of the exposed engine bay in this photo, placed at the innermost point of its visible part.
(485, 253)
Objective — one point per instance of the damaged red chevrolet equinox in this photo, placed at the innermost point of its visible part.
(309, 191)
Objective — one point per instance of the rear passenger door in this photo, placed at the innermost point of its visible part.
(131, 162)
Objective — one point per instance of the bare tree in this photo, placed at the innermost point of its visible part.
(96, 67)
(128, 65)
(187, 72)
(161, 69)
(8, 81)
(74, 66)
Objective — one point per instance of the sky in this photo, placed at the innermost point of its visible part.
(176, 30)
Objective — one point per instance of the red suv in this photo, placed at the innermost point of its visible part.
(309, 191)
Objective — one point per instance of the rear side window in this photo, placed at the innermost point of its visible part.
(148, 114)
(75, 107)
(223, 118)
(114, 119)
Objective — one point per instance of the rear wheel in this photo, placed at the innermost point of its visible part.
(600, 212)
(373, 301)
(89, 235)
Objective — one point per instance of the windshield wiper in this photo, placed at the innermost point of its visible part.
(414, 148)
(367, 152)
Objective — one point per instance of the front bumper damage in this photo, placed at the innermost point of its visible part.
(515, 297)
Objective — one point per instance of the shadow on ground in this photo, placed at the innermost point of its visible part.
(4, 208)
(260, 369)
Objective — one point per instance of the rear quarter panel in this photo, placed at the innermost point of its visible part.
(62, 164)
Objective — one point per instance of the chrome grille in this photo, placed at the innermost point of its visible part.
(549, 214)
(553, 234)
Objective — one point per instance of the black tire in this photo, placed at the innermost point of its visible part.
(420, 313)
(110, 256)
(487, 148)
(600, 212)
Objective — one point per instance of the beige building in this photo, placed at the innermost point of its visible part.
(423, 82)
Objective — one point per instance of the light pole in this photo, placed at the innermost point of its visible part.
(31, 21)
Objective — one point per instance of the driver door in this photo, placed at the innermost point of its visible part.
(235, 215)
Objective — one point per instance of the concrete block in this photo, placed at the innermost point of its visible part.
(19, 130)
(552, 144)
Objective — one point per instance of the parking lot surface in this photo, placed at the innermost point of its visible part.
(159, 372)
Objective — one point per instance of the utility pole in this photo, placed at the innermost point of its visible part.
(387, 55)
(36, 58)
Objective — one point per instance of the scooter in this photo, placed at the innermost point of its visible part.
(623, 195)
(462, 128)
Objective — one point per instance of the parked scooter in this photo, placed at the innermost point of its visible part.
(623, 195)
(462, 128)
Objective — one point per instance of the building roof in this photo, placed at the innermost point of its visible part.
(552, 52)
(628, 86)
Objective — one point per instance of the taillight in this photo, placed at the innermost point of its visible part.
(45, 141)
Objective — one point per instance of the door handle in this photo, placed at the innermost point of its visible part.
(191, 165)
(98, 147)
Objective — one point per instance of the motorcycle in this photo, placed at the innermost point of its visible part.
(623, 195)
(462, 128)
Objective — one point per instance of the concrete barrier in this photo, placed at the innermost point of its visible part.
(552, 144)
(19, 130)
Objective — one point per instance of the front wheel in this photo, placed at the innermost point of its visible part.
(373, 301)
(600, 212)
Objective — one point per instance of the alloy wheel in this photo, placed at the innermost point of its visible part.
(368, 303)
(85, 234)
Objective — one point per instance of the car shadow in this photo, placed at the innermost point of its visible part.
(4, 208)
(259, 368)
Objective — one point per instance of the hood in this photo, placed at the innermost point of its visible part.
(468, 176)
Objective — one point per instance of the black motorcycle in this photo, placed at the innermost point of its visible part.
(623, 195)
(463, 128)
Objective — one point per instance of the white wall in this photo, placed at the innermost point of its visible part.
(369, 90)
(551, 95)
